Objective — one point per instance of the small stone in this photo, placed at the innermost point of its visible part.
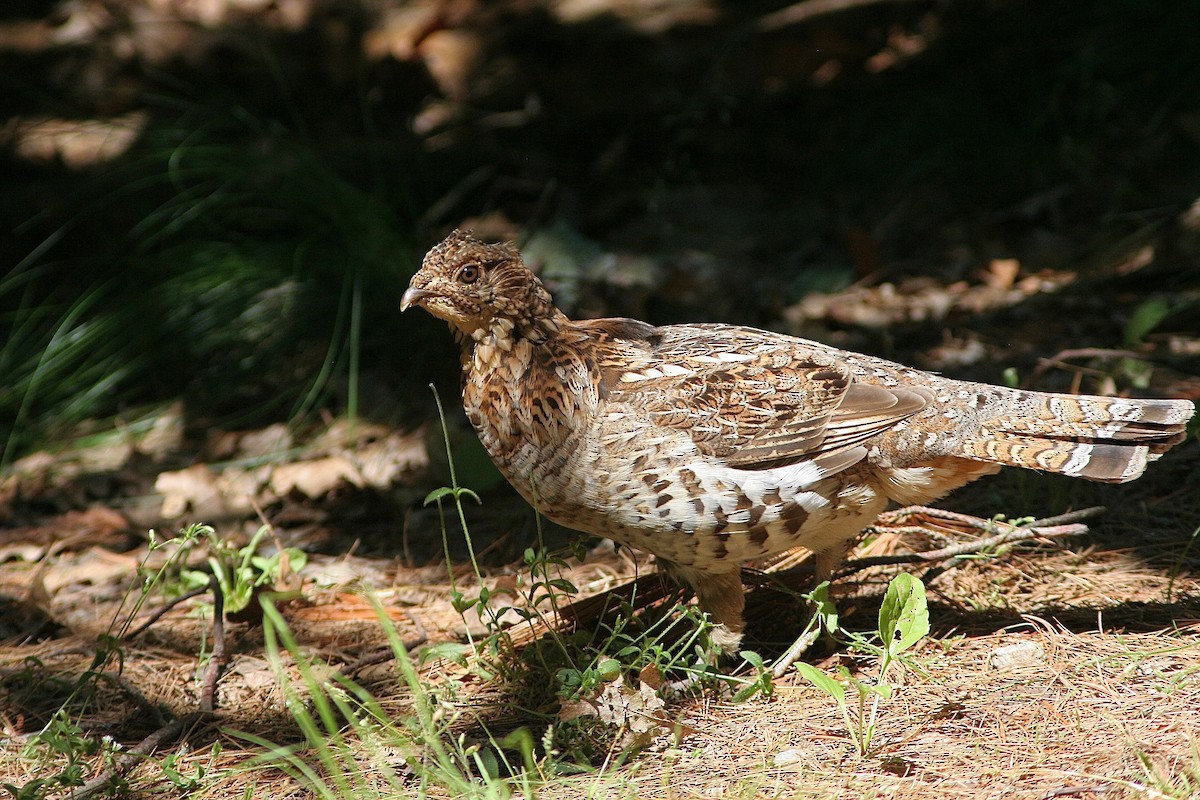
(788, 758)
(1021, 654)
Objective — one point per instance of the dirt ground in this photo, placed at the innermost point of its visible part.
(968, 189)
(1100, 699)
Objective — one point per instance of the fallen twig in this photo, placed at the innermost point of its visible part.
(1068, 524)
(810, 9)
(1062, 358)
(169, 732)
(1068, 791)
(173, 729)
(158, 613)
(216, 660)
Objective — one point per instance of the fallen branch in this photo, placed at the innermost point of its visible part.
(174, 729)
(216, 660)
(810, 9)
(167, 733)
(1063, 525)
(158, 614)
(1061, 360)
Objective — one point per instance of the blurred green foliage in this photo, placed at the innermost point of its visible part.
(250, 278)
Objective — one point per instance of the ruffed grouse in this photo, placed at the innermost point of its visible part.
(711, 445)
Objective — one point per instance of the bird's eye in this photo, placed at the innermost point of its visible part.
(468, 273)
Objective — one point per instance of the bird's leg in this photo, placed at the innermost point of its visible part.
(827, 563)
(722, 596)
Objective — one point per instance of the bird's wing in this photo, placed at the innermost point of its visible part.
(751, 398)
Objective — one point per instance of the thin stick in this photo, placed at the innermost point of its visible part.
(158, 614)
(208, 689)
(1061, 358)
(799, 12)
(169, 732)
(1049, 528)
(1067, 791)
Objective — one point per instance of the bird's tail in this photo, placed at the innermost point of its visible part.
(1108, 439)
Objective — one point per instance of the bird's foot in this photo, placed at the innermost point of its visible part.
(797, 649)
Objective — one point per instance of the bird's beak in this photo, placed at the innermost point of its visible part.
(413, 297)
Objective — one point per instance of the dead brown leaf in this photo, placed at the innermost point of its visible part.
(193, 489)
(315, 478)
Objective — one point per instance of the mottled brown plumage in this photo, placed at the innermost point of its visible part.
(711, 445)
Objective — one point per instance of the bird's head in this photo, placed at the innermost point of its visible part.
(482, 288)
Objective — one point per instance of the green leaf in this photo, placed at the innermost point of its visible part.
(745, 693)
(903, 615)
(437, 494)
(569, 678)
(297, 558)
(29, 791)
(822, 681)
(749, 690)
(752, 658)
(826, 611)
(460, 602)
(608, 669)
(193, 578)
(1146, 317)
(1137, 371)
(451, 651)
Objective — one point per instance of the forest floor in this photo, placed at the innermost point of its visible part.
(1053, 668)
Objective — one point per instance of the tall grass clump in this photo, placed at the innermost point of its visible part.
(224, 260)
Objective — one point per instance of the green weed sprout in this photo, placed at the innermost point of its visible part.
(903, 622)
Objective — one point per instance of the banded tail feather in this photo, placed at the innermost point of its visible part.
(1106, 439)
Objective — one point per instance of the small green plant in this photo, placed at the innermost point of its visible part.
(354, 746)
(163, 578)
(241, 572)
(1177, 567)
(903, 621)
(1149, 314)
(1181, 783)
(762, 682)
(192, 781)
(65, 752)
(602, 689)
